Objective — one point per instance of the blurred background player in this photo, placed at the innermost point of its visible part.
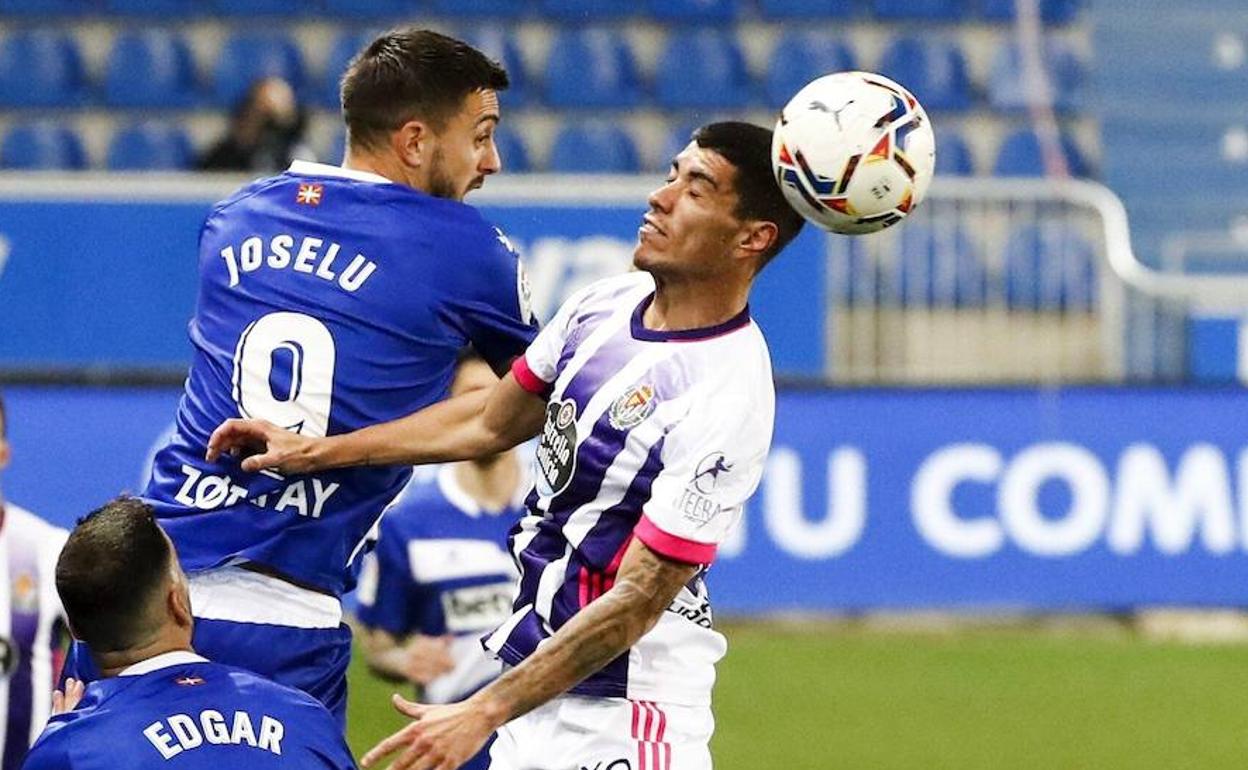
(32, 632)
(654, 399)
(159, 704)
(331, 299)
(441, 575)
(265, 131)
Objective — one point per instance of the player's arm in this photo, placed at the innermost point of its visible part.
(443, 736)
(475, 424)
(418, 659)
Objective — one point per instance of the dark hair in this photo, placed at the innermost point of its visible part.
(411, 73)
(112, 566)
(748, 147)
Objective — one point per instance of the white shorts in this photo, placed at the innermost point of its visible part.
(580, 733)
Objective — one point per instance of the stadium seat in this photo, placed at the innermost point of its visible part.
(163, 9)
(712, 71)
(1051, 11)
(934, 10)
(42, 145)
(372, 8)
(150, 146)
(591, 68)
(1009, 89)
(587, 10)
(593, 148)
(512, 150)
(345, 46)
(264, 7)
(501, 46)
(805, 9)
(699, 11)
(1050, 266)
(938, 265)
(933, 70)
(250, 56)
(499, 8)
(41, 68)
(47, 7)
(853, 274)
(800, 57)
(1021, 155)
(151, 68)
(953, 157)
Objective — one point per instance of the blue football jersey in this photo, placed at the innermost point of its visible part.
(191, 715)
(329, 300)
(441, 566)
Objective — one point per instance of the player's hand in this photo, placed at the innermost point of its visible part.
(439, 737)
(426, 658)
(69, 698)
(262, 445)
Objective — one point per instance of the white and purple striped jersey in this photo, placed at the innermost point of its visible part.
(656, 435)
(30, 629)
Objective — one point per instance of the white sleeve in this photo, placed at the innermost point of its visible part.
(538, 367)
(713, 460)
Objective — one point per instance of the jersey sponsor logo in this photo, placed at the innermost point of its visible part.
(310, 194)
(697, 611)
(206, 492)
(618, 764)
(709, 469)
(182, 732)
(556, 452)
(477, 608)
(695, 502)
(632, 407)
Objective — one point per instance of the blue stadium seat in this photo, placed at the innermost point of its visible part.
(699, 11)
(344, 47)
(938, 266)
(805, 9)
(592, 68)
(499, 8)
(1008, 87)
(1050, 266)
(163, 9)
(934, 10)
(933, 70)
(702, 68)
(42, 145)
(1021, 155)
(501, 46)
(264, 7)
(150, 146)
(800, 57)
(587, 10)
(41, 68)
(854, 275)
(372, 8)
(250, 56)
(593, 147)
(953, 157)
(1051, 11)
(47, 7)
(151, 68)
(512, 150)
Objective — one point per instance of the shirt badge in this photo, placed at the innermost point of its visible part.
(634, 405)
(310, 194)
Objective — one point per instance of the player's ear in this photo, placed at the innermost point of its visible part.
(756, 237)
(410, 142)
(178, 603)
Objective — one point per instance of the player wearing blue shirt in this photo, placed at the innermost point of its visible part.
(441, 576)
(331, 299)
(160, 705)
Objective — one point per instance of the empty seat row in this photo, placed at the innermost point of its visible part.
(1052, 11)
(586, 68)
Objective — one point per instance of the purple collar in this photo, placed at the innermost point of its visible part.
(640, 332)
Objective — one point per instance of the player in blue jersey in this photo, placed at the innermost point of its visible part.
(441, 575)
(331, 299)
(652, 398)
(160, 705)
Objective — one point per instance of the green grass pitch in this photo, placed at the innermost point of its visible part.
(823, 697)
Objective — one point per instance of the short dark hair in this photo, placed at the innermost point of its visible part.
(112, 566)
(748, 147)
(411, 73)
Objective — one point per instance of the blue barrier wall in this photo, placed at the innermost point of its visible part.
(1041, 500)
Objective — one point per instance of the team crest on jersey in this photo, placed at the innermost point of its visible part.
(636, 404)
(189, 681)
(25, 593)
(310, 194)
(556, 451)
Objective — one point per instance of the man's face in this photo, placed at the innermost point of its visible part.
(463, 152)
(691, 226)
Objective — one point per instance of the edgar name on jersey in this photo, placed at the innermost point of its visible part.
(182, 732)
(313, 256)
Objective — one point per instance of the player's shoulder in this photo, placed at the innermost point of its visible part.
(630, 286)
(51, 750)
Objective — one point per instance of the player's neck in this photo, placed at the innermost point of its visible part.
(681, 304)
(111, 664)
(386, 166)
(491, 482)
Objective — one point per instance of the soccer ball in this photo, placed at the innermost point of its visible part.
(853, 152)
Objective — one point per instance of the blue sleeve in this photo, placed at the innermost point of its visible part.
(492, 305)
(50, 752)
(388, 605)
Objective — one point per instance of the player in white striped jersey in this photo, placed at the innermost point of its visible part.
(652, 398)
(31, 625)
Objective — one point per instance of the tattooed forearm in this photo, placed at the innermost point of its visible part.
(598, 634)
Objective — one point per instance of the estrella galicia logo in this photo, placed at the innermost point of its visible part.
(556, 452)
(634, 405)
(709, 469)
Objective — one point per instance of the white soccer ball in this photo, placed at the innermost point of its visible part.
(853, 152)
